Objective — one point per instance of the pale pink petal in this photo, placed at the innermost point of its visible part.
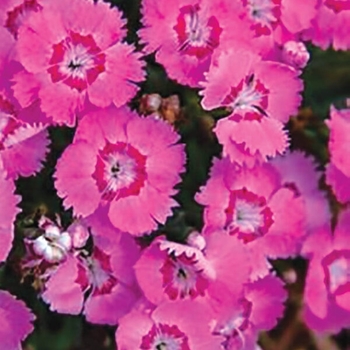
(267, 296)
(272, 138)
(61, 102)
(296, 20)
(147, 270)
(109, 308)
(73, 178)
(63, 292)
(117, 85)
(230, 260)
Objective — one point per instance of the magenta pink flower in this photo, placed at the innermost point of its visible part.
(327, 290)
(331, 25)
(298, 173)
(172, 271)
(112, 163)
(78, 61)
(261, 96)
(16, 320)
(240, 320)
(8, 210)
(181, 325)
(253, 206)
(98, 282)
(186, 33)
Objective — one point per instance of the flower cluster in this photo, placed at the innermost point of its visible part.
(67, 64)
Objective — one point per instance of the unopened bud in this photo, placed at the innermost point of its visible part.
(295, 54)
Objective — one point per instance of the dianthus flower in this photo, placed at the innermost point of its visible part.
(327, 289)
(180, 325)
(186, 33)
(260, 96)
(16, 321)
(125, 163)
(96, 281)
(240, 320)
(298, 173)
(8, 210)
(72, 52)
(338, 170)
(253, 206)
(173, 271)
(331, 25)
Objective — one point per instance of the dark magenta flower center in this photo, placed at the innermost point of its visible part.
(265, 15)
(95, 273)
(337, 271)
(76, 61)
(248, 100)
(120, 171)
(248, 215)
(164, 337)
(182, 278)
(197, 34)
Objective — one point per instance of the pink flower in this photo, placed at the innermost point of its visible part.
(179, 325)
(125, 163)
(186, 33)
(260, 95)
(8, 210)
(102, 283)
(172, 271)
(78, 61)
(240, 320)
(331, 25)
(298, 173)
(327, 290)
(16, 320)
(253, 206)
